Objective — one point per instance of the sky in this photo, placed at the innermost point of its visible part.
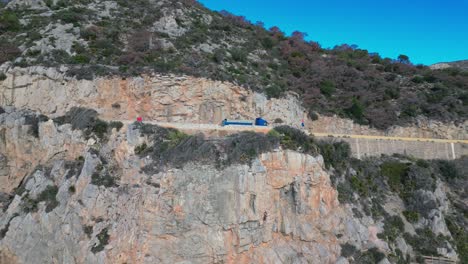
(428, 31)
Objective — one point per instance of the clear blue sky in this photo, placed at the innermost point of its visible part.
(427, 31)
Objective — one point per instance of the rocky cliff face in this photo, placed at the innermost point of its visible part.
(74, 196)
(281, 208)
(183, 99)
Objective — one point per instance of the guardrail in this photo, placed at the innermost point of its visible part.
(438, 260)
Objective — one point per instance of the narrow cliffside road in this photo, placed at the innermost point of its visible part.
(209, 127)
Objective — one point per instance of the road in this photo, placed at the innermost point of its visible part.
(208, 127)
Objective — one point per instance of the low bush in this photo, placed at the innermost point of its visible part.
(295, 139)
(48, 196)
(74, 167)
(460, 236)
(140, 149)
(393, 227)
(116, 124)
(103, 240)
(425, 242)
(86, 120)
(327, 88)
(335, 154)
(411, 216)
(101, 177)
(347, 250)
(33, 121)
(8, 21)
(88, 230)
(448, 170)
(394, 171)
(370, 256)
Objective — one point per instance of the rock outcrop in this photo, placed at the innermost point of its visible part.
(281, 208)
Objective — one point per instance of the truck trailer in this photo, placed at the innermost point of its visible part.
(257, 122)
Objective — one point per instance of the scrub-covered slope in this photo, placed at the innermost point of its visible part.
(130, 37)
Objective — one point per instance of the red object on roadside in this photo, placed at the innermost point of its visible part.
(139, 119)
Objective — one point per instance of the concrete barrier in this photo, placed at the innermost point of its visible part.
(362, 147)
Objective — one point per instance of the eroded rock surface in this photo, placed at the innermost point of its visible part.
(281, 208)
(183, 99)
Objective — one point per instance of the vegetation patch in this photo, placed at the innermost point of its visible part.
(103, 240)
(33, 121)
(395, 172)
(87, 121)
(88, 230)
(295, 139)
(74, 167)
(426, 242)
(393, 227)
(347, 250)
(370, 256)
(460, 235)
(48, 196)
(102, 177)
(411, 216)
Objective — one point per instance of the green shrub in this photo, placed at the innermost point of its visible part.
(116, 124)
(447, 169)
(273, 91)
(417, 79)
(359, 185)
(392, 93)
(425, 242)
(103, 178)
(9, 21)
(48, 196)
(238, 55)
(268, 43)
(274, 133)
(176, 137)
(72, 189)
(88, 230)
(460, 235)
(393, 227)
(2, 76)
(370, 256)
(394, 171)
(335, 154)
(410, 110)
(34, 35)
(356, 111)
(345, 193)
(103, 238)
(297, 140)
(140, 149)
(411, 216)
(327, 88)
(347, 250)
(278, 121)
(81, 59)
(100, 128)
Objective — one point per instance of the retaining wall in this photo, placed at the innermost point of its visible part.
(362, 148)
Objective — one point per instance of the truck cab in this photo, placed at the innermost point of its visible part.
(260, 122)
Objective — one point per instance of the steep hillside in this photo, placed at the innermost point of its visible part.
(462, 65)
(94, 38)
(96, 192)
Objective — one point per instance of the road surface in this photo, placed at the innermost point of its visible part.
(260, 129)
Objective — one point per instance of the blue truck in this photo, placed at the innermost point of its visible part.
(257, 122)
